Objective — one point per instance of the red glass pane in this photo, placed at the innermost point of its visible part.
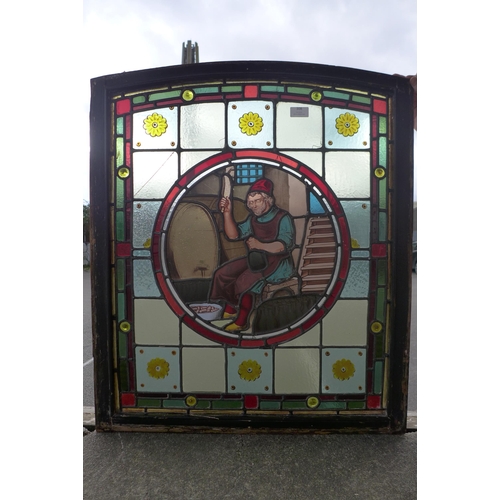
(251, 91)
(379, 250)
(127, 399)
(373, 402)
(380, 106)
(251, 402)
(123, 106)
(123, 250)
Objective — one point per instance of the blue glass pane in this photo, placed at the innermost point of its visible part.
(315, 205)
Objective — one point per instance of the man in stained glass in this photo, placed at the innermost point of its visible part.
(269, 234)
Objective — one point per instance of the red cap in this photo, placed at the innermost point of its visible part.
(262, 186)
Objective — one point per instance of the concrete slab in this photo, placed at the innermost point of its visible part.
(199, 466)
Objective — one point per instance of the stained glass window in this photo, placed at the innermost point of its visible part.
(251, 233)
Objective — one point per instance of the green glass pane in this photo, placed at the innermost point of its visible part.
(120, 192)
(379, 345)
(364, 100)
(382, 226)
(174, 403)
(227, 405)
(299, 90)
(152, 403)
(336, 95)
(122, 344)
(202, 405)
(164, 95)
(119, 152)
(120, 226)
(332, 405)
(378, 377)
(272, 88)
(380, 314)
(270, 405)
(139, 99)
(121, 307)
(207, 90)
(382, 125)
(382, 272)
(295, 405)
(123, 375)
(119, 126)
(356, 405)
(232, 88)
(382, 193)
(382, 153)
(120, 274)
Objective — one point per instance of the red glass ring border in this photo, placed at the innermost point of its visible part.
(338, 276)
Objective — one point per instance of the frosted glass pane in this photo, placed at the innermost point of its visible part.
(358, 218)
(144, 280)
(202, 126)
(298, 126)
(348, 173)
(339, 123)
(250, 124)
(312, 160)
(154, 173)
(155, 129)
(191, 158)
(143, 221)
(357, 280)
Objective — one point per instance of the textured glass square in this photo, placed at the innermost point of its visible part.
(155, 129)
(144, 280)
(346, 129)
(250, 371)
(203, 369)
(343, 371)
(250, 124)
(348, 173)
(346, 323)
(203, 126)
(358, 218)
(155, 323)
(154, 173)
(143, 219)
(357, 280)
(297, 371)
(299, 128)
(157, 369)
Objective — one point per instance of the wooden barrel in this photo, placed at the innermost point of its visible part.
(193, 243)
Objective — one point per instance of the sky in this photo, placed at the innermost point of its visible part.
(134, 35)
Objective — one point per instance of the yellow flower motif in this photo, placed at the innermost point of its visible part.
(343, 369)
(155, 125)
(147, 243)
(249, 370)
(251, 123)
(158, 368)
(347, 124)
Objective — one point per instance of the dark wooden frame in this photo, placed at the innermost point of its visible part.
(400, 234)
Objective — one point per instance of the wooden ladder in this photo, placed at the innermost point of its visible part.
(318, 255)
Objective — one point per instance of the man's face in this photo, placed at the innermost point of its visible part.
(257, 204)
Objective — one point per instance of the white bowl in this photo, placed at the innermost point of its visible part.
(206, 310)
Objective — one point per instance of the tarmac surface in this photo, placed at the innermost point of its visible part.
(132, 465)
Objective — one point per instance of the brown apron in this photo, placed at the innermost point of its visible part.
(235, 277)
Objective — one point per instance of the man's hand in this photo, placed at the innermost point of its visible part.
(253, 244)
(225, 205)
(272, 247)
